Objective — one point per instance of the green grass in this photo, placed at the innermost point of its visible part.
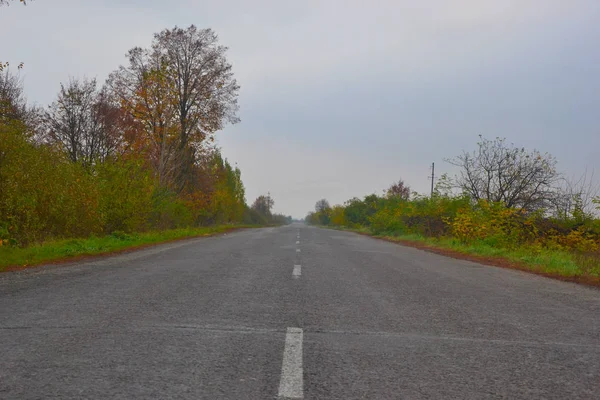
(553, 262)
(118, 241)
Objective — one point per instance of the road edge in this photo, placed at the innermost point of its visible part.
(500, 262)
(130, 249)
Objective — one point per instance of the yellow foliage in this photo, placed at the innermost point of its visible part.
(507, 227)
(575, 240)
(466, 228)
(337, 216)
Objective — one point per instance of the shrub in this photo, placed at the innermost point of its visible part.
(492, 224)
(169, 212)
(338, 216)
(42, 195)
(126, 195)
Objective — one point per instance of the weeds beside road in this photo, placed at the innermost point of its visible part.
(558, 264)
(12, 257)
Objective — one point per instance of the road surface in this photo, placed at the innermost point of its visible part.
(294, 312)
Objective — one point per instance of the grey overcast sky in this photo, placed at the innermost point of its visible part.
(340, 98)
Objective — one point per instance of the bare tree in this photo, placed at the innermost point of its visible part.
(575, 197)
(399, 190)
(182, 90)
(81, 120)
(499, 172)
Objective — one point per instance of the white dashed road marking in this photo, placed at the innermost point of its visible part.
(291, 385)
(297, 271)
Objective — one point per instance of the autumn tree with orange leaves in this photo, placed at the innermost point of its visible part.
(181, 90)
(133, 155)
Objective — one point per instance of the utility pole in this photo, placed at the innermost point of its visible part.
(432, 177)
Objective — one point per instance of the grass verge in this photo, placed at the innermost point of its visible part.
(14, 258)
(562, 265)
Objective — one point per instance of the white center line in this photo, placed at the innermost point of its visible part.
(297, 250)
(297, 242)
(297, 271)
(291, 385)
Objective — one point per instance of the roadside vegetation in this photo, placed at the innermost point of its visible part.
(507, 206)
(13, 257)
(129, 162)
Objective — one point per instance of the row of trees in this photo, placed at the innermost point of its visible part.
(166, 103)
(503, 195)
(134, 154)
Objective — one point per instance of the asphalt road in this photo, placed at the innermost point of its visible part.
(294, 312)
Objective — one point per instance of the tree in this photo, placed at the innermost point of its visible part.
(182, 91)
(444, 186)
(142, 90)
(359, 212)
(498, 172)
(322, 205)
(575, 197)
(227, 192)
(323, 211)
(83, 122)
(206, 92)
(13, 105)
(263, 205)
(399, 190)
